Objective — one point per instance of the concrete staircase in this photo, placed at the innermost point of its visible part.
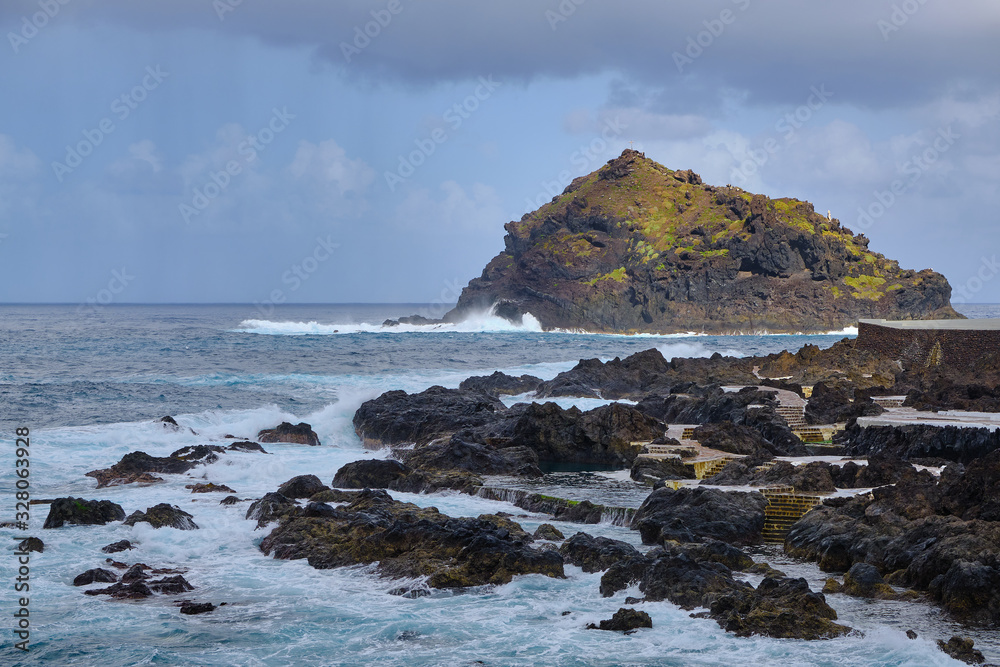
(784, 507)
(794, 415)
(703, 469)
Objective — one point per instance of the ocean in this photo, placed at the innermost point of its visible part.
(89, 383)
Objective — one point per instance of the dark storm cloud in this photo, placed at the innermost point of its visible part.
(875, 54)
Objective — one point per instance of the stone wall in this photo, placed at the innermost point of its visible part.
(955, 347)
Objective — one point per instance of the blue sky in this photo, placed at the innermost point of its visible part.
(383, 171)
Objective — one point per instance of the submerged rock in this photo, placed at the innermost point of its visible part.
(192, 608)
(163, 516)
(119, 546)
(82, 512)
(95, 575)
(271, 507)
(209, 488)
(135, 466)
(31, 544)
(624, 620)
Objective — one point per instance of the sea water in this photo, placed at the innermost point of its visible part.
(90, 384)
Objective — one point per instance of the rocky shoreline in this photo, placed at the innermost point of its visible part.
(912, 517)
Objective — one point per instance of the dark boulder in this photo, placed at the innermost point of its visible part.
(699, 514)
(134, 465)
(457, 453)
(31, 544)
(733, 438)
(95, 575)
(208, 488)
(936, 537)
(272, 507)
(298, 434)
(396, 417)
(192, 608)
(174, 585)
(835, 403)
(163, 516)
(624, 620)
(500, 384)
(407, 541)
(82, 512)
(547, 531)
(245, 446)
(302, 486)
(117, 547)
(962, 648)
(229, 500)
(370, 474)
(197, 454)
(136, 590)
(593, 554)
(603, 435)
(783, 608)
(649, 469)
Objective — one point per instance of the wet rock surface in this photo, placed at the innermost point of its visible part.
(624, 620)
(940, 537)
(408, 541)
(918, 441)
(302, 486)
(29, 544)
(699, 514)
(396, 417)
(500, 384)
(82, 512)
(593, 554)
(163, 515)
(118, 547)
(693, 576)
(298, 434)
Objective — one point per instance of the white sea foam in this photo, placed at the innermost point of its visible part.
(485, 322)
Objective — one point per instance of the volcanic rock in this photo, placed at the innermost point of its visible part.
(117, 547)
(133, 465)
(302, 486)
(31, 544)
(396, 417)
(83, 512)
(163, 516)
(624, 620)
(500, 384)
(409, 541)
(95, 575)
(593, 554)
(699, 514)
(299, 434)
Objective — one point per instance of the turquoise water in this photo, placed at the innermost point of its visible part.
(89, 386)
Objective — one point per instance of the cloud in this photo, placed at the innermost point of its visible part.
(328, 169)
(768, 49)
(455, 209)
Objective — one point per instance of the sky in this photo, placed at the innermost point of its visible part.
(244, 151)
